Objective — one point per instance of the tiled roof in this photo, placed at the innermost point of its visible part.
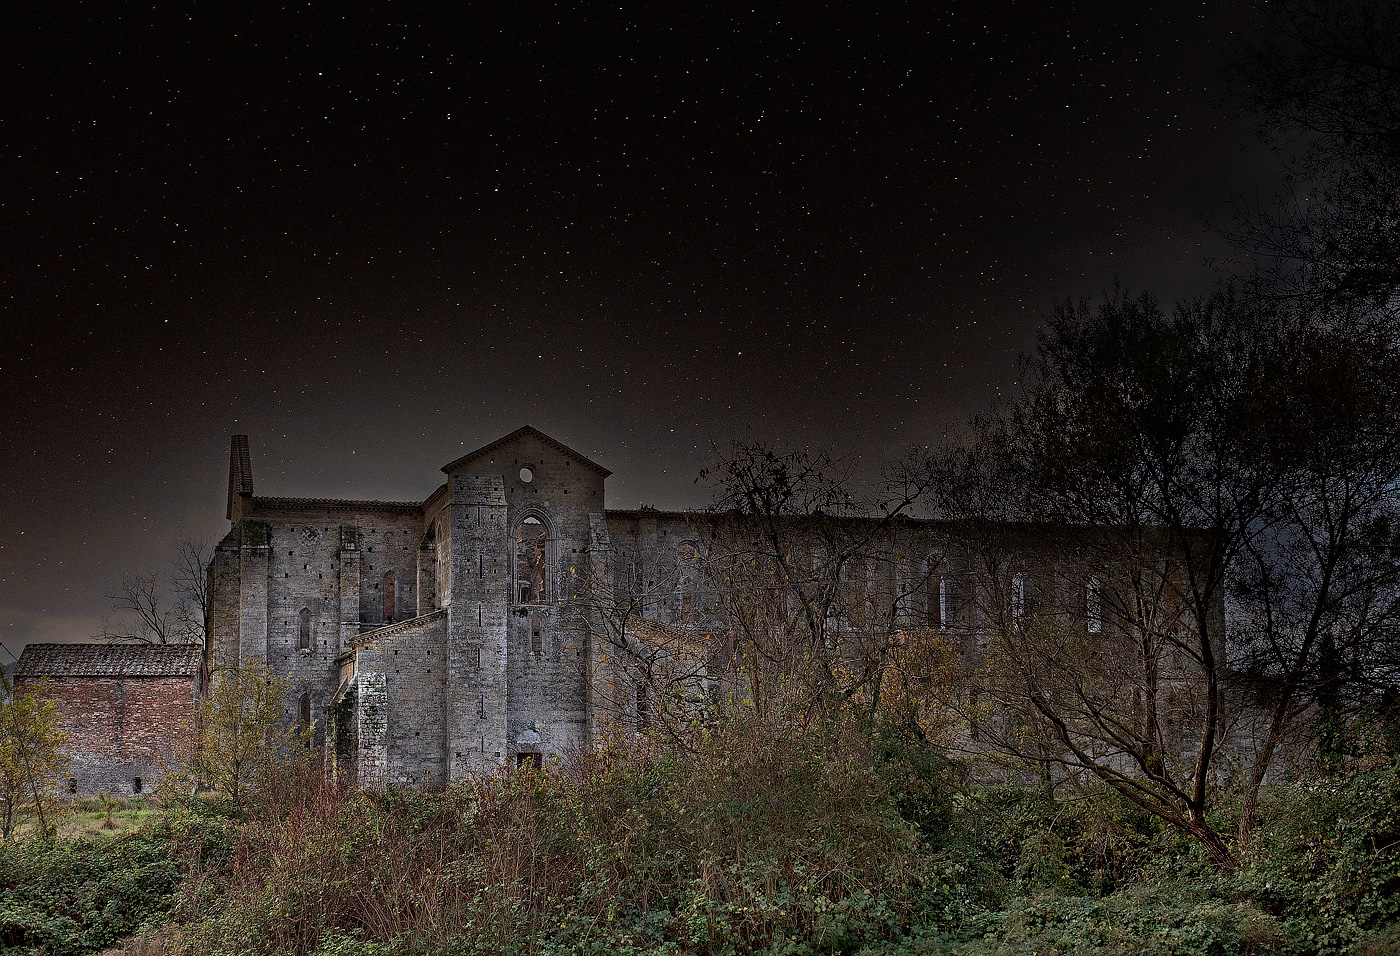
(109, 660)
(332, 504)
(694, 640)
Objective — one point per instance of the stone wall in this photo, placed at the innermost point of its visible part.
(540, 680)
(302, 579)
(402, 674)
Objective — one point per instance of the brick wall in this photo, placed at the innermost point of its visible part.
(120, 728)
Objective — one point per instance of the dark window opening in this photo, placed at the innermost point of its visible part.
(643, 708)
(529, 761)
(536, 634)
(136, 785)
(72, 785)
(305, 711)
(304, 629)
(935, 601)
(389, 597)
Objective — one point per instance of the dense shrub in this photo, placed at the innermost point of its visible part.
(1327, 862)
(753, 842)
(83, 895)
(756, 839)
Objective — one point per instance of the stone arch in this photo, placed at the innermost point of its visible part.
(531, 576)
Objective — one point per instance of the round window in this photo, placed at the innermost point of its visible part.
(527, 474)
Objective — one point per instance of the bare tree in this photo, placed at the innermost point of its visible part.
(1166, 467)
(797, 604)
(653, 676)
(814, 583)
(163, 608)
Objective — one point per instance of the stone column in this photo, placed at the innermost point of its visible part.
(349, 561)
(476, 626)
(253, 590)
(427, 579)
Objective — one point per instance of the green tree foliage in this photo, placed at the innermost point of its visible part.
(239, 739)
(32, 761)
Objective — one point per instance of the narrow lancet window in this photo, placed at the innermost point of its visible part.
(935, 600)
(304, 629)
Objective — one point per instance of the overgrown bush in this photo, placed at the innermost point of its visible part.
(84, 895)
(756, 838)
(756, 841)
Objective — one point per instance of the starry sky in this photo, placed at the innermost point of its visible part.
(374, 236)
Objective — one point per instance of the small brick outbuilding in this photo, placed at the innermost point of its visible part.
(122, 706)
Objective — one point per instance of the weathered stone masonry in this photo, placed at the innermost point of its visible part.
(433, 640)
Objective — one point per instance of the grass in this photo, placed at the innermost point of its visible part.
(88, 818)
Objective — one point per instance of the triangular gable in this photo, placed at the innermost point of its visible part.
(527, 431)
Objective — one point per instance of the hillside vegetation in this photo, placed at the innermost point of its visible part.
(755, 841)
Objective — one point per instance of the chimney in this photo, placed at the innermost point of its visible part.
(240, 476)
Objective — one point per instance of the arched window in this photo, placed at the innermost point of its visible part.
(934, 593)
(388, 596)
(304, 629)
(531, 562)
(305, 713)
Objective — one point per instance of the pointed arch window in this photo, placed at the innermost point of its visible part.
(304, 629)
(936, 595)
(304, 715)
(531, 562)
(389, 603)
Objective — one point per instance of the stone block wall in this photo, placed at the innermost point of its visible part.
(403, 675)
(475, 700)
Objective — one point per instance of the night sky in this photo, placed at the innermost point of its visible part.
(374, 236)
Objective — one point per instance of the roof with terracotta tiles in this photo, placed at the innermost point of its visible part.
(109, 660)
